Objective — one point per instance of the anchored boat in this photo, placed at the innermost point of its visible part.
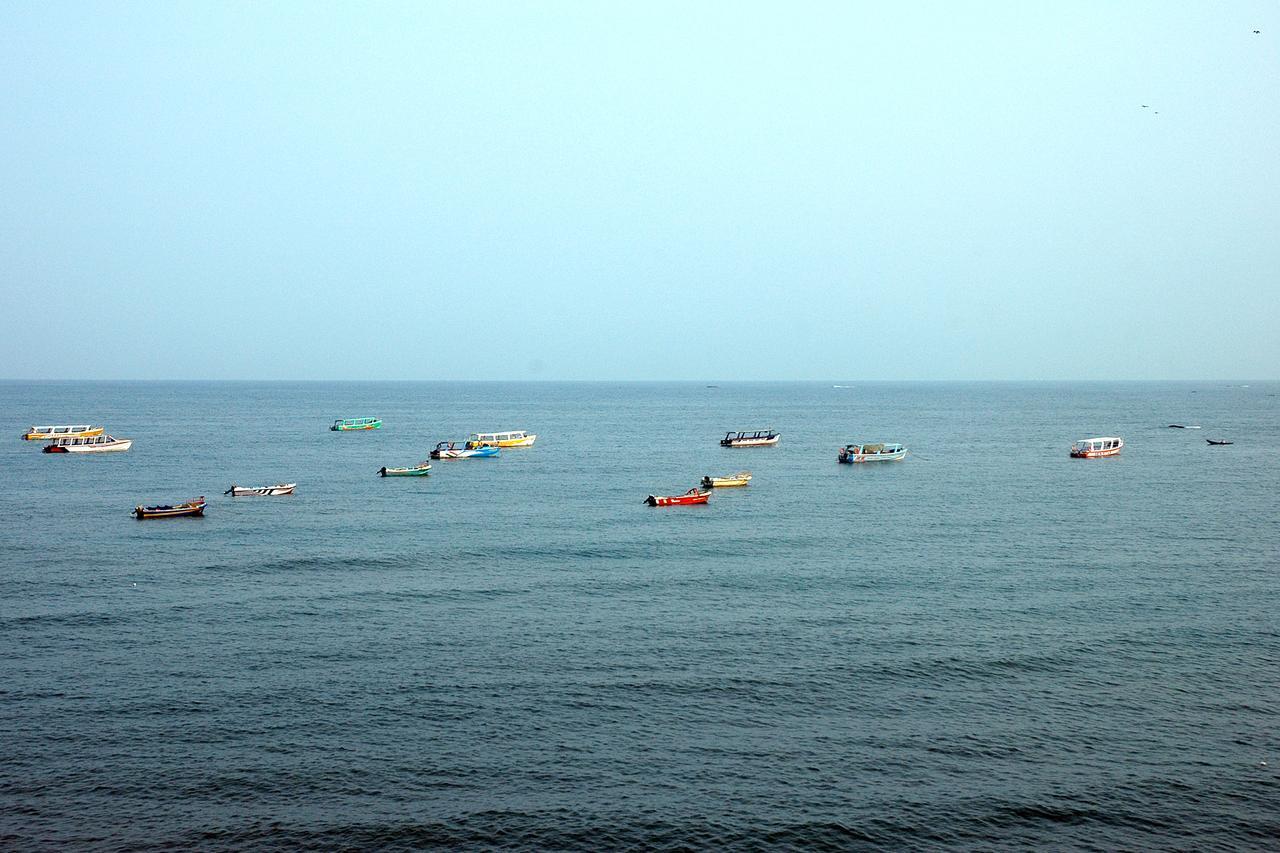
(195, 506)
(41, 433)
(419, 470)
(741, 478)
(512, 438)
(1096, 448)
(693, 496)
(262, 491)
(451, 450)
(852, 453)
(351, 424)
(93, 444)
(757, 438)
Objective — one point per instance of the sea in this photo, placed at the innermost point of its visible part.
(988, 645)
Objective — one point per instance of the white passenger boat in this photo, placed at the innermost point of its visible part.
(1095, 448)
(511, 438)
(265, 491)
(756, 438)
(854, 453)
(93, 444)
(43, 433)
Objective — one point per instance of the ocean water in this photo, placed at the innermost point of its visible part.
(988, 645)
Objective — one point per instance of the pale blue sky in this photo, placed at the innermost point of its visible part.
(640, 191)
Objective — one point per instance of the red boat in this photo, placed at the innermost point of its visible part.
(693, 496)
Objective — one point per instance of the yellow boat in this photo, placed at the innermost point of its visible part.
(739, 479)
(43, 433)
(513, 438)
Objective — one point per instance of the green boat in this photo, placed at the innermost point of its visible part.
(416, 471)
(348, 424)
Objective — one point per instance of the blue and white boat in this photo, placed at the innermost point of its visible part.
(854, 453)
(462, 450)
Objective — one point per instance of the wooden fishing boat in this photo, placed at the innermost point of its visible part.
(261, 491)
(855, 453)
(418, 470)
(511, 438)
(352, 424)
(93, 444)
(1096, 448)
(1218, 442)
(756, 438)
(460, 450)
(195, 506)
(693, 496)
(741, 478)
(42, 433)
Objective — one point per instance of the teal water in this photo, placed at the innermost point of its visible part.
(986, 645)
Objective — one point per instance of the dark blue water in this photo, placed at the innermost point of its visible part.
(987, 645)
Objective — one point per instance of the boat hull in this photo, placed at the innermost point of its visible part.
(261, 491)
(689, 498)
(749, 442)
(485, 452)
(858, 458)
(183, 510)
(105, 447)
(1095, 454)
(418, 471)
(726, 482)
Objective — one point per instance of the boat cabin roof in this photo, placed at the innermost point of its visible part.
(758, 433)
(514, 433)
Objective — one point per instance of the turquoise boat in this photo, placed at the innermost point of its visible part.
(349, 424)
(419, 470)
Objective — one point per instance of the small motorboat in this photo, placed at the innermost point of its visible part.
(418, 470)
(261, 491)
(1182, 426)
(463, 450)
(856, 453)
(741, 478)
(1218, 442)
(693, 496)
(42, 433)
(1096, 448)
(193, 507)
(352, 424)
(92, 444)
(754, 438)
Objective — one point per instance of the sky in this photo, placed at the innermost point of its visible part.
(636, 191)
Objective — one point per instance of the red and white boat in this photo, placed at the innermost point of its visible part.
(693, 496)
(1096, 448)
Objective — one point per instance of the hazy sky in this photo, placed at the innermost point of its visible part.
(640, 191)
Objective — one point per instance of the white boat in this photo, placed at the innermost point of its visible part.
(855, 453)
(1097, 448)
(756, 438)
(266, 491)
(93, 444)
(42, 433)
(511, 438)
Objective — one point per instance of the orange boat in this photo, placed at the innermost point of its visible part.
(193, 507)
(693, 496)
